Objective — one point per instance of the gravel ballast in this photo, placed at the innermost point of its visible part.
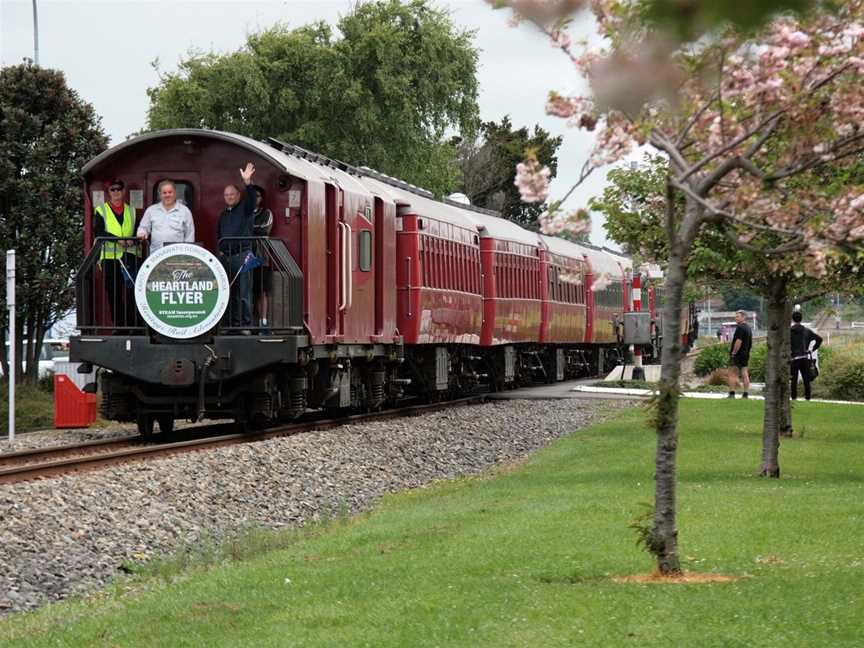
(69, 534)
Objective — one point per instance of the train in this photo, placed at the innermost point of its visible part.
(378, 292)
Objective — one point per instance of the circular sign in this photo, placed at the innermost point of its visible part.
(181, 290)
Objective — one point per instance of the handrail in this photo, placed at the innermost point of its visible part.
(343, 287)
(349, 268)
(408, 268)
(347, 288)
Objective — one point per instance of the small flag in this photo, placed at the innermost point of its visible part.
(251, 262)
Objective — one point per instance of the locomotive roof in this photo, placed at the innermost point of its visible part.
(296, 165)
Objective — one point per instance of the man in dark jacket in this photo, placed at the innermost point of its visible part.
(801, 339)
(235, 223)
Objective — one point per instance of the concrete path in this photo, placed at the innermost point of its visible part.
(645, 393)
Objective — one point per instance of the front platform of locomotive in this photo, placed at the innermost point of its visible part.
(182, 331)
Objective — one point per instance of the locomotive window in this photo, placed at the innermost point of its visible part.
(365, 250)
(184, 193)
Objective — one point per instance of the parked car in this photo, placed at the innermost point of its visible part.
(52, 349)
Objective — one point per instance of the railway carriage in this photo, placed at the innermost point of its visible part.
(379, 291)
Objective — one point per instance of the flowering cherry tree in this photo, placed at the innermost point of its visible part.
(749, 122)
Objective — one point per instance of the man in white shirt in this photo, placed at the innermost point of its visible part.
(167, 221)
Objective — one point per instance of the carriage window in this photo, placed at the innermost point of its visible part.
(184, 193)
(365, 250)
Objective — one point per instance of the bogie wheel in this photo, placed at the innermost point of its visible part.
(145, 425)
(166, 423)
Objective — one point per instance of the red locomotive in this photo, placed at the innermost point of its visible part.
(378, 290)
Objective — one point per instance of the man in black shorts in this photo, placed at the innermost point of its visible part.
(739, 355)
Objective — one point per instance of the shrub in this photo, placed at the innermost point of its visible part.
(34, 408)
(841, 372)
(710, 358)
(46, 382)
(757, 362)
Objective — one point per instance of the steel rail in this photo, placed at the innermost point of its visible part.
(156, 450)
(40, 454)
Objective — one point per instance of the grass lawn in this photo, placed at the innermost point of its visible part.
(525, 557)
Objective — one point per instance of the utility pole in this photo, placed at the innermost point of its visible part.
(10, 303)
(35, 34)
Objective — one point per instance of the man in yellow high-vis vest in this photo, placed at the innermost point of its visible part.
(119, 260)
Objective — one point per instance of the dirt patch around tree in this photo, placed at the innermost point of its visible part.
(685, 578)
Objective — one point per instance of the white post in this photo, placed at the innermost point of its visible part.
(35, 34)
(10, 303)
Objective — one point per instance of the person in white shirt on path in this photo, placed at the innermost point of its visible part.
(167, 221)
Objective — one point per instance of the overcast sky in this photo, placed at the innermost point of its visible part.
(106, 49)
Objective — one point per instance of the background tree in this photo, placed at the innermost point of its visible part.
(383, 93)
(47, 133)
(488, 164)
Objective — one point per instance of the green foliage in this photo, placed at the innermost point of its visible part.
(737, 298)
(692, 18)
(488, 165)
(642, 526)
(47, 133)
(711, 358)
(383, 94)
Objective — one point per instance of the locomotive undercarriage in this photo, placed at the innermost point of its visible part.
(194, 381)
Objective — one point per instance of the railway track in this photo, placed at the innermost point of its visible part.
(61, 460)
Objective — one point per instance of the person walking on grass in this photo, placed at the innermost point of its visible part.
(801, 338)
(739, 356)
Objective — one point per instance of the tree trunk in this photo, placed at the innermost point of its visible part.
(664, 533)
(785, 421)
(776, 312)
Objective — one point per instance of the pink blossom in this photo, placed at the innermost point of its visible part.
(797, 39)
(815, 260)
(560, 38)
(532, 180)
(855, 30)
(601, 282)
(845, 130)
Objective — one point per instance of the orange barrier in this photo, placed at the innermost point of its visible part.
(72, 407)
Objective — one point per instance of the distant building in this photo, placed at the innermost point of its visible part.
(709, 323)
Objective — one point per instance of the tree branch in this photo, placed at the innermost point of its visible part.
(816, 160)
(731, 145)
(679, 141)
(795, 245)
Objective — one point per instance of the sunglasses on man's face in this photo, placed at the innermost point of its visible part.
(115, 189)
